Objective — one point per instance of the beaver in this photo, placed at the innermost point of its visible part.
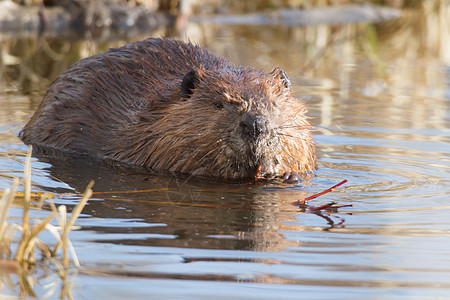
(168, 105)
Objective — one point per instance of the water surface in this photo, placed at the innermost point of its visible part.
(379, 99)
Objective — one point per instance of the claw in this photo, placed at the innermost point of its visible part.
(291, 178)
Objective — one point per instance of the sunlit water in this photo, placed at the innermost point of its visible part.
(381, 122)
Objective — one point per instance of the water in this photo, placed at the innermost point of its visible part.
(379, 98)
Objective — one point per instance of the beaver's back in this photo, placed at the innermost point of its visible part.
(102, 94)
(167, 105)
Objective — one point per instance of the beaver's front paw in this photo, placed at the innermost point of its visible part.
(291, 177)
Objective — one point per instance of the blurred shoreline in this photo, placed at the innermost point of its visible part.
(85, 19)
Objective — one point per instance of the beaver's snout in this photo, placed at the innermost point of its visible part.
(252, 126)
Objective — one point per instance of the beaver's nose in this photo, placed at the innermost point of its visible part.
(253, 125)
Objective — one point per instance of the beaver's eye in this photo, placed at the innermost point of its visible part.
(218, 105)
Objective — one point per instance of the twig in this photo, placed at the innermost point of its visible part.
(303, 201)
(331, 205)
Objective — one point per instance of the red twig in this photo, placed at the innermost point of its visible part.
(331, 205)
(258, 175)
(302, 201)
(320, 207)
(342, 205)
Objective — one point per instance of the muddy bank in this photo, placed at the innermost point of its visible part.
(75, 18)
(99, 19)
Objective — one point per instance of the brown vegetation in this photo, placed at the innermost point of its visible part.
(32, 252)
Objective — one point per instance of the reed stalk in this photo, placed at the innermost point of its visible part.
(23, 262)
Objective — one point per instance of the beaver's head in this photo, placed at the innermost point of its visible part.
(229, 123)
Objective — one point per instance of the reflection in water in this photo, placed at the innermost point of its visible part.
(379, 97)
(243, 213)
(41, 281)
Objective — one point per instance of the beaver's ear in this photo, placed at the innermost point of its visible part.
(281, 75)
(189, 83)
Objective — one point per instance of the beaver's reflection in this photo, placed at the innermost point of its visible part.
(180, 211)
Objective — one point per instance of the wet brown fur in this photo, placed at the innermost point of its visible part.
(168, 105)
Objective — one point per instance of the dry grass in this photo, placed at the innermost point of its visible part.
(21, 257)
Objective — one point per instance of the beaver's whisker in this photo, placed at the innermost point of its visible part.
(194, 156)
(294, 126)
(307, 140)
